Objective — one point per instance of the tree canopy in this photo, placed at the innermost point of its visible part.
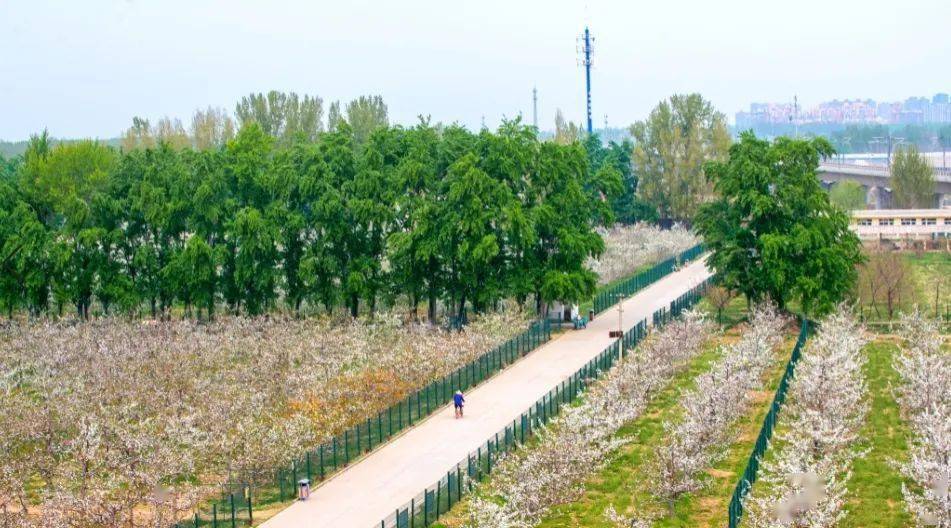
(848, 195)
(912, 179)
(773, 231)
(358, 215)
(670, 149)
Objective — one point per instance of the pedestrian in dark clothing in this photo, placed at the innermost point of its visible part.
(458, 400)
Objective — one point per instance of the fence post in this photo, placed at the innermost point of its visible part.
(425, 507)
(438, 496)
(309, 472)
(233, 523)
(321, 450)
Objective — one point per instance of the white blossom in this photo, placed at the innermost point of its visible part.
(114, 423)
(527, 483)
(629, 247)
(804, 484)
(925, 398)
(719, 397)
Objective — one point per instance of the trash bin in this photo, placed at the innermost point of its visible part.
(303, 489)
(591, 315)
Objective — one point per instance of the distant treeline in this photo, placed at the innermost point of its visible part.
(352, 216)
(12, 149)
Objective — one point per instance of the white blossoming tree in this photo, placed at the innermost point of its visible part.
(925, 399)
(719, 397)
(804, 484)
(528, 483)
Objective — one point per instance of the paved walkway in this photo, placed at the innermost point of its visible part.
(373, 488)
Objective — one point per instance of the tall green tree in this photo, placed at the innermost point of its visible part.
(67, 186)
(848, 195)
(366, 114)
(478, 209)
(255, 261)
(412, 249)
(562, 218)
(912, 179)
(670, 150)
(24, 281)
(773, 232)
(627, 207)
(246, 272)
(370, 196)
(282, 115)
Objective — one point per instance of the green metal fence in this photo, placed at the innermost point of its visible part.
(608, 297)
(735, 510)
(235, 507)
(436, 500)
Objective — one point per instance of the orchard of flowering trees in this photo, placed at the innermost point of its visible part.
(428, 215)
(718, 398)
(805, 481)
(925, 400)
(630, 247)
(528, 483)
(121, 424)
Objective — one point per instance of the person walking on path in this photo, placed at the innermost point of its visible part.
(458, 400)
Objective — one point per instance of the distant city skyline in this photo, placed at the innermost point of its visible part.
(914, 110)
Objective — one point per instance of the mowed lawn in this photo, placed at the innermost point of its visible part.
(874, 498)
(932, 273)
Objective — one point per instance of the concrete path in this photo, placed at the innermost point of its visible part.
(373, 488)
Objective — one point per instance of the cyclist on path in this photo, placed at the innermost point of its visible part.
(458, 401)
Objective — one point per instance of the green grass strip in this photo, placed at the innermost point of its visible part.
(619, 483)
(624, 483)
(874, 498)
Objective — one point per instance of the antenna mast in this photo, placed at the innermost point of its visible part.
(586, 51)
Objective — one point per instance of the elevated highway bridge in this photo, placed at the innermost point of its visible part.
(876, 180)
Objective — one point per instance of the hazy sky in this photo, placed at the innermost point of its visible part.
(85, 68)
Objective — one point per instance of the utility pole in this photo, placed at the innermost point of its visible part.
(535, 107)
(586, 51)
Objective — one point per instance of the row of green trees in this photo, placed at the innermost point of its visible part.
(426, 215)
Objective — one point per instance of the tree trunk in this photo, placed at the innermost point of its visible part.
(431, 308)
(462, 309)
(354, 306)
(414, 307)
